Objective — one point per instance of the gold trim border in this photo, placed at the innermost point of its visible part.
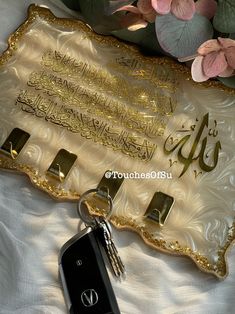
(220, 269)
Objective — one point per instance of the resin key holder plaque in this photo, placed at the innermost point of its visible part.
(75, 104)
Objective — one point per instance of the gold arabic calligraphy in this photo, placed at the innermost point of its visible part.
(96, 103)
(88, 127)
(196, 152)
(85, 98)
(148, 97)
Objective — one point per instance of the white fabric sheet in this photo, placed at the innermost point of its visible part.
(33, 227)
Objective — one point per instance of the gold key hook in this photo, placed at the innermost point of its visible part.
(13, 152)
(14, 143)
(84, 214)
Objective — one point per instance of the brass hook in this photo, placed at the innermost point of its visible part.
(159, 208)
(61, 165)
(14, 143)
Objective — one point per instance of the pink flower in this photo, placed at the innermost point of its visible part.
(206, 8)
(147, 10)
(182, 9)
(138, 17)
(216, 58)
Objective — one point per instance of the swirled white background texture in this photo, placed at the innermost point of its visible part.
(33, 227)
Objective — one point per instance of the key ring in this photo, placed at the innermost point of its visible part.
(89, 220)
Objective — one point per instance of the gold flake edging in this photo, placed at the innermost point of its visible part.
(220, 269)
(57, 193)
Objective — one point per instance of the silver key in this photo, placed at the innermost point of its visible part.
(106, 239)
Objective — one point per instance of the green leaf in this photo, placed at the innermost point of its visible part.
(224, 19)
(228, 81)
(232, 36)
(182, 38)
(94, 12)
(144, 37)
(72, 4)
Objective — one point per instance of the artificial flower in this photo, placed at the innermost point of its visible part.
(182, 9)
(216, 57)
(206, 8)
(146, 10)
(138, 17)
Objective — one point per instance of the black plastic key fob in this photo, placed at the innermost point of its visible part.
(87, 287)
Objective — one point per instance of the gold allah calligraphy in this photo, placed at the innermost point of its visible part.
(196, 152)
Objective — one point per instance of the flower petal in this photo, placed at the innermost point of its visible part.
(162, 6)
(113, 5)
(145, 6)
(230, 56)
(226, 42)
(209, 46)
(196, 70)
(206, 8)
(137, 25)
(129, 8)
(227, 72)
(133, 22)
(188, 58)
(150, 17)
(214, 63)
(183, 9)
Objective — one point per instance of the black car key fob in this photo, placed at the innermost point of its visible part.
(87, 287)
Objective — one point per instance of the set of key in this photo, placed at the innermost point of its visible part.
(87, 287)
(104, 235)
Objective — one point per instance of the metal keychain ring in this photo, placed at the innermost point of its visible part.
(89, 219)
